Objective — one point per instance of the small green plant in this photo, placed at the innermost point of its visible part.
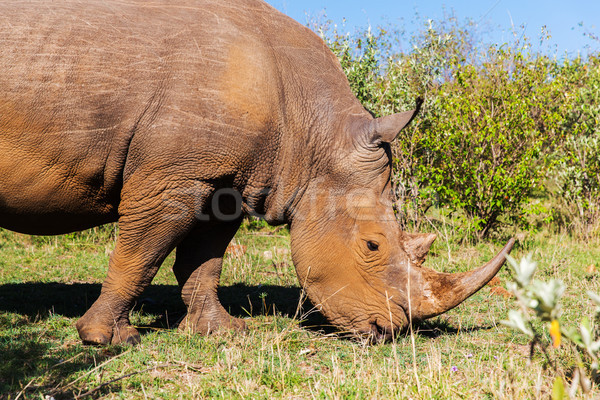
(539, 305)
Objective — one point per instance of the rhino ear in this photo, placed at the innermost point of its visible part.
(386, 129)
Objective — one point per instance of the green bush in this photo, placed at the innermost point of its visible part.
(578, 168)
(496, 121)
(486, 143)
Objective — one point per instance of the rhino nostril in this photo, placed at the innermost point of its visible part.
(380, 334)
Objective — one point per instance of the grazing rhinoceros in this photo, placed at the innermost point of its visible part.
(176, 118)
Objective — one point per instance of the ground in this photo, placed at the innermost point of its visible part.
(47, 283)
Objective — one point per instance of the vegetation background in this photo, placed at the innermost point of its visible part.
(507, 144)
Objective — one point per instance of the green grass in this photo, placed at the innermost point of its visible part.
(47, 283)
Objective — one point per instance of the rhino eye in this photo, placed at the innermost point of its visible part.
(372, 245)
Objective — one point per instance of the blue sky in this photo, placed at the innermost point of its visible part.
(562, 18)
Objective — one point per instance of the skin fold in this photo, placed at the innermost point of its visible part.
(177, 118)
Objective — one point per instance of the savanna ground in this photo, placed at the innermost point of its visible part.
(47, 283)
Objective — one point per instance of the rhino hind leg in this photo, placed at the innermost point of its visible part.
(197, 268)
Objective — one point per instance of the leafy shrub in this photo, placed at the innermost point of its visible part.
(492, 119)
(488, 138)
(578, 169)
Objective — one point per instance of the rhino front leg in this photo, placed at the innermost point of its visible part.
(143, 244)
(198, 269)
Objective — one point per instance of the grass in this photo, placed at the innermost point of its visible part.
(47, 283)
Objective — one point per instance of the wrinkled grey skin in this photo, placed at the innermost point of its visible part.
(175, 118)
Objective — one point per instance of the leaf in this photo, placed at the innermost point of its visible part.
(595, 346)
(595, 298)
(515, 321)
(586, 332)
(558, 389)
(524, 270)
(548, 295)
(555, 333)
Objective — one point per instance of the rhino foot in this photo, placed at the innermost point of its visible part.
(126, 334)
(102, 335)
(208, 323)
(96, 336)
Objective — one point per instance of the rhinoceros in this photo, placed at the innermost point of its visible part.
(176, 118)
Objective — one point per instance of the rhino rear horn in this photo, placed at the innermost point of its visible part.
(417, 245)
(386, 129)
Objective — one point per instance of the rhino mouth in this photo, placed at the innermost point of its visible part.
(381, 334)
(378, 332)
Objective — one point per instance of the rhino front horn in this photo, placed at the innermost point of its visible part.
(386, 129)
(440, 292)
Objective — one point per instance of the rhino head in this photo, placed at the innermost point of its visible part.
(356, 265)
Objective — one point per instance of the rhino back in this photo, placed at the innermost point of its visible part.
(91, 93)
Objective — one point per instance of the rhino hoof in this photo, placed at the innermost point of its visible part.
(102, 336)
(126, 335)
(205, 326)
(237, 324)
(94, 337)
